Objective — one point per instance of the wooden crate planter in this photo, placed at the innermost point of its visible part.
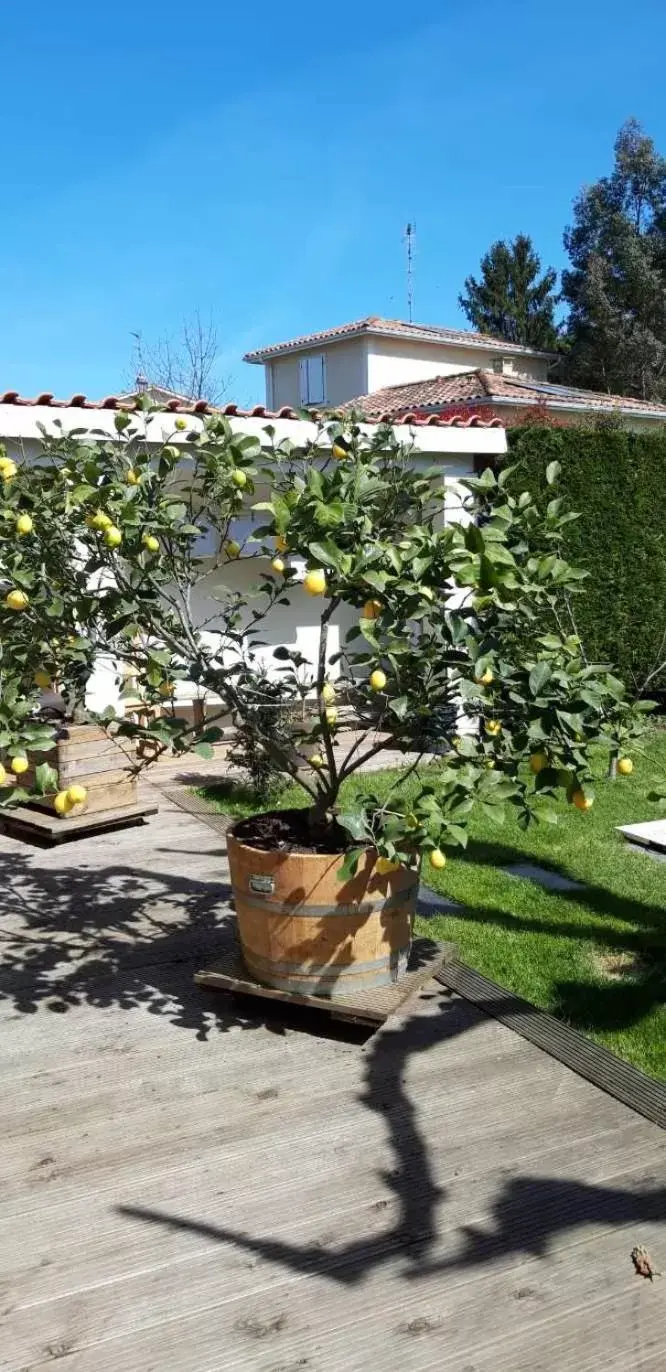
(88, 757)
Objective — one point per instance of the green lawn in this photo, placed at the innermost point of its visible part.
(594, 957)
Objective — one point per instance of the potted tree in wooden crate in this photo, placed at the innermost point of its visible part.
(94, 533)
(464, 625)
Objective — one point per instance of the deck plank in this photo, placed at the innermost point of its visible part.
(187, 1185)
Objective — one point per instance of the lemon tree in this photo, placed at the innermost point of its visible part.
(463, 637)
(101, 553)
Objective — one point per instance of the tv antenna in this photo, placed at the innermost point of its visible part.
(409, 239)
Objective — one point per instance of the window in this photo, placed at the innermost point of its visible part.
(312, 375)
(503, 366)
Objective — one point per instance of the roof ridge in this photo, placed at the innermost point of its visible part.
(398, 328)
(201, 408)
(480, 387)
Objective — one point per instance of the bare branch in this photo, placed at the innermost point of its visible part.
(184, 362)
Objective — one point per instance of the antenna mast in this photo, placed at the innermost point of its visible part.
(409, 239)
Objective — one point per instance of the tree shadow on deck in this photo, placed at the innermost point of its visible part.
(130, 937)
(528, 1213)
(122, 935)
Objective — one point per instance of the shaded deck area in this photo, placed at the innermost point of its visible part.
(191, 1183)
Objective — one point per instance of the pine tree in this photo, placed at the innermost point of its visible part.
(512, 300)
(616, 287)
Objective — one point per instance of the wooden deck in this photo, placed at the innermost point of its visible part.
(191, 1184)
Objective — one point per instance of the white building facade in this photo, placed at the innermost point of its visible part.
(328, 369)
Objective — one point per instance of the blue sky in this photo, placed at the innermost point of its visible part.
(260, 162)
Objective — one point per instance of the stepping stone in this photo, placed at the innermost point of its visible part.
(543, 876)
(648, 852)
(431, 903)
(651, 834)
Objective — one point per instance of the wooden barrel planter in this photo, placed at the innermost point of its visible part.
(304, 928)
(86, 756)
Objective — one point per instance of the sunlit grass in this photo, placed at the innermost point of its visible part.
(595, 957)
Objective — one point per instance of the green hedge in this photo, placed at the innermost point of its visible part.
(617, 482)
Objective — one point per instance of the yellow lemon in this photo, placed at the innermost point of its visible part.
(377, 680)
(239, 478)
(42, 679)
(486, 679)
(24, 524)
(331, 714)
(437, 859)
(16, 600)
(278, 565)
(180, 424)
(489, 764)
(537, 762)
(625, 766)
(316, 760)
(385, 865)
(150, 543)
(581, 801)
(315, 582)
(100, 520)
(281, 543)
(371, 609)
(133, 477)
(339, 452)
(328, 693)
(8, 469)
(19, 765)
(232, 548)
(62, 803)
(167, 689)
(112, 536)
(76, 795)
(3, 775)
(493, 727)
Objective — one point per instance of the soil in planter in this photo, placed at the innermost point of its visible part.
(289, 831)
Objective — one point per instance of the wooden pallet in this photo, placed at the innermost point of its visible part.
(369, 1008)
(38, 826)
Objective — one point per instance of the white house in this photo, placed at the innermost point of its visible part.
(331, 367)
(453, 443)
(388, 369)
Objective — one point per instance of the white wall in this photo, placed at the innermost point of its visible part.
(284, 388)
(346, 370)
(398, 361)
(358, 366)
(296, 625)
(346, 374)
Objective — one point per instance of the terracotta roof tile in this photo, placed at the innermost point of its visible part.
(396, 328)
(480, 388)
(201, 407)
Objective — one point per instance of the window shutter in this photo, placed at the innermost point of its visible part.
(303, 380)
(312, 379)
